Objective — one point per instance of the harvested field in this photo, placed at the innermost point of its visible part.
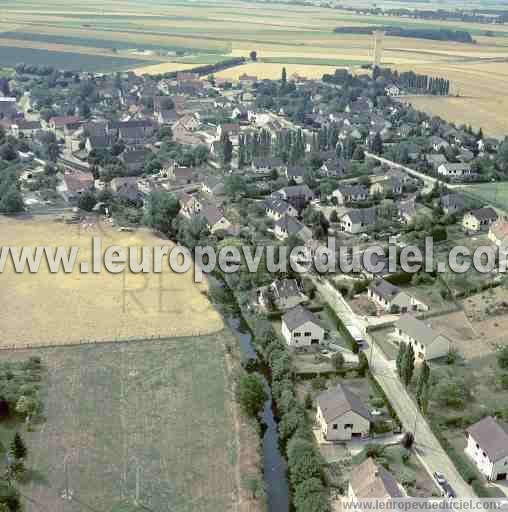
(270, 70)
(63, 308)
(165, 407)
(166, 67)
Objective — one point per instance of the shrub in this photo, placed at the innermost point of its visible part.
(251, 394)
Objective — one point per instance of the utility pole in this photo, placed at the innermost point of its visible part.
(68, 492)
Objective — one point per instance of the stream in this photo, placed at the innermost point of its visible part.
(274, 464)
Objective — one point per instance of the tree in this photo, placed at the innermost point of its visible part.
(18, 447)
(251, 394)
(8, 152)
(407, 440)
(227, 149)
(502, 358)
(363, 364)
(87, 201)
(408, 365)
(337, 360)
(26, 405)
(303, 461)
(253, 55)
(284, 77)
(423, 380)
(310, 496)
(334, 217)
(161, 209)
(376, 145)
(400, 358)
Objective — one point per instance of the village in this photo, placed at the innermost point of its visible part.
(403, 376)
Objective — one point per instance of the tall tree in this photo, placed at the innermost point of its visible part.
(408, 365)
(423, 380)
(377, 144)
(284, 77)
(18, 447)
(400, 358)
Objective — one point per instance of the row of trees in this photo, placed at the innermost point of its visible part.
(425, 84)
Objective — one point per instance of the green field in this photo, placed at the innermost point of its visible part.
(164, 404)
(10, 56)
(494, 194)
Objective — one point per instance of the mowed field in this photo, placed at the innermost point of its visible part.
(164, 407)
(63, 308)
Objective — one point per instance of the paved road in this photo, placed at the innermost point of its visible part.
(427, 447)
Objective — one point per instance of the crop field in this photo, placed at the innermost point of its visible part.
(164, 407)
(63, 308)
(494, 194)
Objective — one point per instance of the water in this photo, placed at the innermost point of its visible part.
(274, 464)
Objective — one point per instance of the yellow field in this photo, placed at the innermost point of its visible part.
(66, 308)
(166, 67)
(268, 70)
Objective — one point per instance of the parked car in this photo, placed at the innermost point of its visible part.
(446, 488)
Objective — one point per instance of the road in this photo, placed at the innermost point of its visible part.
(427, 447)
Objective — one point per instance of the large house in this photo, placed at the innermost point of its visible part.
(75, 183)
(288, 226)
(426, 342)
(278, 208)
(479, 219)
(358, 220)
(350, 194)
(341, 415)
(389, 185)
(265, 165)
(392, 299)
(301, 328)
(282, 293)
(371, 481)
(487, 445)
(215, 219)
(297, 195)
(65, 124)
(455, 171)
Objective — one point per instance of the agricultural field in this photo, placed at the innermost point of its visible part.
(165, 407)
(495, 194)
(66, 308)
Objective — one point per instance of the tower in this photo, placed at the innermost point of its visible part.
(378, 36)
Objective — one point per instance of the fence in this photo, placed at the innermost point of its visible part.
(127, 339)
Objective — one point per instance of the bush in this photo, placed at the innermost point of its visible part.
(502, 358)
(251, 394)
(303, 461)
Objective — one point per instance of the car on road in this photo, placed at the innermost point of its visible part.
(446, 488)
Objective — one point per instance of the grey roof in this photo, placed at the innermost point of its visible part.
(384, 289)
(353, 190)
(371, 480)
(136, 156)
(296, 191)
(436, 159)
(277, 205)
(268, 162)
(297, 316)
(484, 213)
(291, 226)
(337, 401)
(492, 436)
(211, 213)
(285, 288)
(367, 216)
(455, 201)
(134, 123)
(296, 171)
(417, 329)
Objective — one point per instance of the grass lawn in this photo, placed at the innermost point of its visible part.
(163, 404)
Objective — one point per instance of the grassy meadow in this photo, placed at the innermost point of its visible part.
(165, 406)
(155, 37)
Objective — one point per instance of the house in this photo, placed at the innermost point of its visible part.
(452, 203)
(295, 173)
(297, 195)
(455, 171)
(135, 131)
(265, 165)
(392, 90)
(282, 293)
(438, 143)
(341, 415)
(487, 446)
(498, 233)
(189, 205)
(392, 299)
(126, 187)
(134, 160)
(479, 219)
(98, 142)
(75, 183)
(301, 328)
(465, 155)
(247, 80)
(167, 116)
(334, 168)
(358, 220)
(65, 124)
(278, 208)
(346, 193)
(435, 160)
(24, 128)
(386, 186)
(406, 210)
(181, 175)
(288, 226)
(212, 185)
(426, 342)
(190, 122)
(214, 218)
(232, 130)
(371, 481)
